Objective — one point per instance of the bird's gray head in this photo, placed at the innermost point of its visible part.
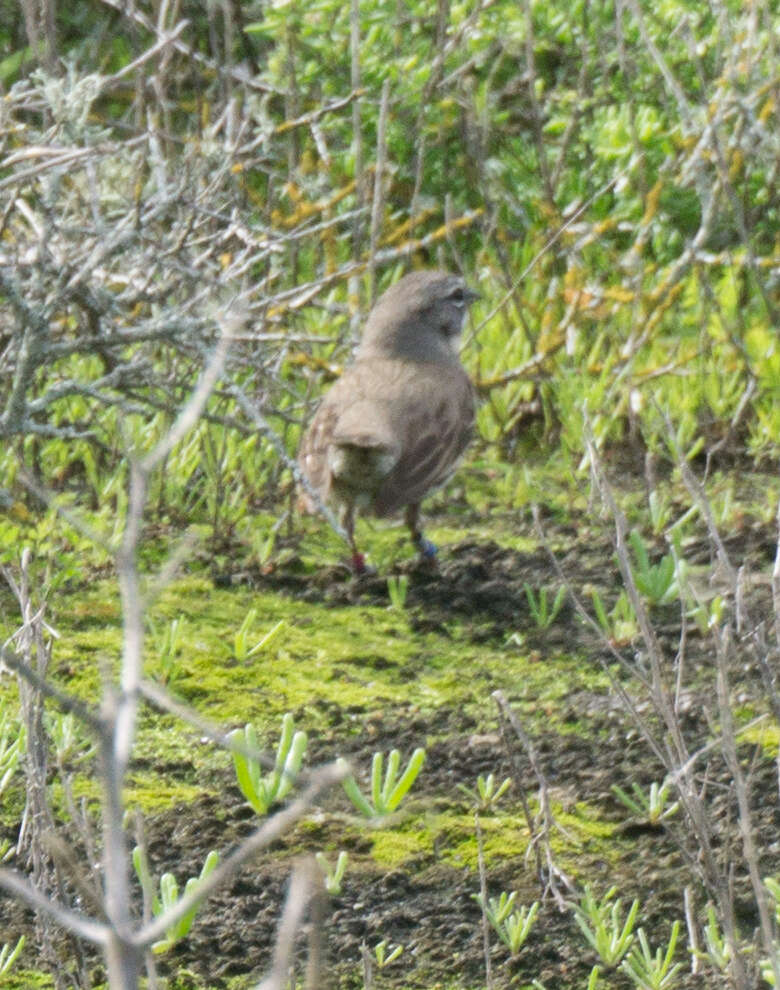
(420, 317)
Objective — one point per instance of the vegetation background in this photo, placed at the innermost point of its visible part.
(198, 204)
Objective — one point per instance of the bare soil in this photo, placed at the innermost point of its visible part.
(428, 905)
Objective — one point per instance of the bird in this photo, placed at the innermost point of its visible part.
(393, 426)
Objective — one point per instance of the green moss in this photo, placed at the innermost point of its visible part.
(325, 662)
(584, 822)
(349, 674)
(393, 847)
(766, 735)
(451, 838)
(27, 979)
(147, 793)
(504, 838)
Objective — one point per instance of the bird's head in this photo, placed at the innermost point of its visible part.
(419, 318)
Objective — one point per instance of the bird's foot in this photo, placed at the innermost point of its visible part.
(359, 565)
(427, 550)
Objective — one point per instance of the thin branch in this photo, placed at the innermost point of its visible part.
(268, 833)
(19, 887)
(66, 702)
(302, 885)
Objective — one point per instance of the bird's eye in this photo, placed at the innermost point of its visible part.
(457, 295)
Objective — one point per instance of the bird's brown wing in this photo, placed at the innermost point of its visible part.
(313, 449)
(436, 417)
(357, 410)
(428, 409)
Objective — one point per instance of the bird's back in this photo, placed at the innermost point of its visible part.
(418, 416)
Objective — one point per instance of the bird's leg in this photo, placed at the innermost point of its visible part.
(347, 520)
(412, 518)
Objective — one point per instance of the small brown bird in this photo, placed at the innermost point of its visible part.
(394, 425)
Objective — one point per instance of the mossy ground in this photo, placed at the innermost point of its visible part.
(360, 675)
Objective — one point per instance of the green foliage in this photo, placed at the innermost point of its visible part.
(333, 874)
(532, 114)
(263, 791)
(487, 794)
(655, 582)
(384, 953)
(718, 952)
(67, 736)
(386, 796)
(12, 746)
(224, 455)
(651, 807)
(9, 955)
(650, 970)
(397, 588)
(620, 625)
(767, 968)
(169, 895)
(534, 117)
(602, 924)
(241, 648)
(58, 552)
(542, 612)
(512, 925)
(168, 647)
(773, 886)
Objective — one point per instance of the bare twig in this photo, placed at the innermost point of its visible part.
(271, 830)
(302, 884)
(483, 893)
(549, 875)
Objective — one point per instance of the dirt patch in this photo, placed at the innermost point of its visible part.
(427, 904)
(481, 582)
(430, 907)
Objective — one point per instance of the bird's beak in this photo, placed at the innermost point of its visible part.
(471, 295)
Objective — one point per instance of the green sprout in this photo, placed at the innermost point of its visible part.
(602, 925)
(773, 886)
(333, 874)
(653, 970)
(262, 791)
(661, 509)
(397, 589)
(651, 807)
(767, 968)
(709, 617)
(486, 794)
(655, 582)
(593, 981)
(512, 925)
(263, 545)
(385, 797)
(168, 649)
(12, 742)
(767, 971)
(64, 731)
(620, 625)
(8, 955)
(543, 614)
(169, 896)
(241, 648)
(718, 950)
(385, 953)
